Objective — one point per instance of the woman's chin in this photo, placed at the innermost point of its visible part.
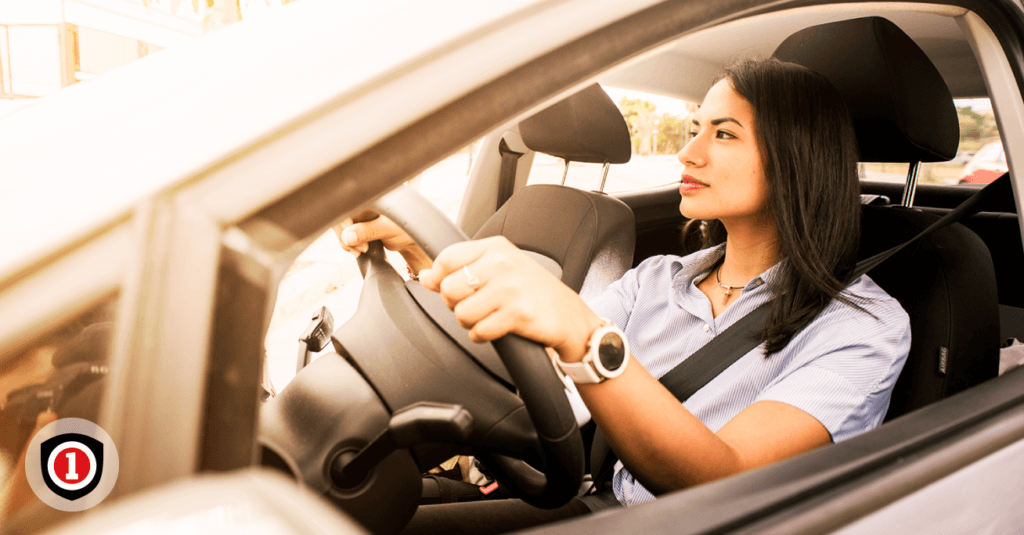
(694, 211)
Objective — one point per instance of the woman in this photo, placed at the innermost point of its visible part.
(771, 172)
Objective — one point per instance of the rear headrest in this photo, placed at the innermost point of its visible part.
(901, 108)
(586, 127)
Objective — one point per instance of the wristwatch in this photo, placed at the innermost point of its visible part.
(606, 358)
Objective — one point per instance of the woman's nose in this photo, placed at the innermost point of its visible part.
(692, 154)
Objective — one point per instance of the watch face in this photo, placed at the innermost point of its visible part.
(611, 351)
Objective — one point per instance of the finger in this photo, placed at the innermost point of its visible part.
(354, 234)
(477, 306)
(340, 228)
(451, 260)
(493, 326)
(352, 241)
(456, 286)
(339, 231)
(382, 229)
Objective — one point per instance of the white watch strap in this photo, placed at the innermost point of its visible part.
(580, 372)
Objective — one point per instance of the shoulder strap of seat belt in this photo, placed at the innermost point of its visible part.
(507, 178)
(740, 338)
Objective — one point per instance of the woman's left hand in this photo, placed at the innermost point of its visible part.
(495, 289)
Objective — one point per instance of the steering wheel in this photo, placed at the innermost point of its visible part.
(539, 387)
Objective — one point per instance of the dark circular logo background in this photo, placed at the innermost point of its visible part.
(71, 464)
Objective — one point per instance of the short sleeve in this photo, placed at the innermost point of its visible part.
(847, 386)
(617, 300)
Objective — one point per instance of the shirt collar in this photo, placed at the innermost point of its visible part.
(694, 267)
(698, 264)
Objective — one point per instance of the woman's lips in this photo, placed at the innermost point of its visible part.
(691, 184)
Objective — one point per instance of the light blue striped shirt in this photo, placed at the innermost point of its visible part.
(840, 369)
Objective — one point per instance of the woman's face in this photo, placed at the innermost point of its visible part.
(723, 176)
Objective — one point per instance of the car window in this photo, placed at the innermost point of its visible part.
(60, 375)
(659, 126)
(325, 275)
(979, 160)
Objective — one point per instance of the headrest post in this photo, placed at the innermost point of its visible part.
(911, 188)
(604, 176)
(565, 173)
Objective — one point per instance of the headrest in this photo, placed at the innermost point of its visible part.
(586, 127)
(901, 108)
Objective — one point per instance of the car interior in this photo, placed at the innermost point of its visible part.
(957, 285)
(903, 112)
(400, 388)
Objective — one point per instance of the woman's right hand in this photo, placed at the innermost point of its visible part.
(355, 238)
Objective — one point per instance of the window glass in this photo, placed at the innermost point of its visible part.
(33, 55)
(979, 160)
(61, 375)
(658, 126)
(326, 275)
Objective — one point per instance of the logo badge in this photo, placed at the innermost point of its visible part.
(74, 464)
(71, 464)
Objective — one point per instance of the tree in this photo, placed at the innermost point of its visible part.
(643, 119)
(970, 123)
(670, 134)
(976, 128)
(639, 115)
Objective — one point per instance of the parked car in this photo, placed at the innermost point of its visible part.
(988, 164)
(149, 215)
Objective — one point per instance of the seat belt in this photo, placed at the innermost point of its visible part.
(507, 177)
(690, 375)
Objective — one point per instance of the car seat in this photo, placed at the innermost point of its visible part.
(903, 112)
(585, 237)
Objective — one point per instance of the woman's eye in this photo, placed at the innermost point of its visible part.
(693, 134)
(722, 134)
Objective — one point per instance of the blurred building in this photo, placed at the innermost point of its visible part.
(49, 44)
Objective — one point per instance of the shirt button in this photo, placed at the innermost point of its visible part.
(707, 327)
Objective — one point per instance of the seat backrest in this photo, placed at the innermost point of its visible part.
(946, 283)
(589, 236)
(903, 112)
(584, 237)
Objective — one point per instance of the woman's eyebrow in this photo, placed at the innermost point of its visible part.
(716, 122)
(721, 120)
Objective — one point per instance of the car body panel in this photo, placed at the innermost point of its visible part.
(952, 503)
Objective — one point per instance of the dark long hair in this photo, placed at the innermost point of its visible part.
(809, 152)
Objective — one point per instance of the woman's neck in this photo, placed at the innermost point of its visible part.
(749, 251)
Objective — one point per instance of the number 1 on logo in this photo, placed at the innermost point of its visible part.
(71, 466)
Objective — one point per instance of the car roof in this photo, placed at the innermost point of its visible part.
(685, 68)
